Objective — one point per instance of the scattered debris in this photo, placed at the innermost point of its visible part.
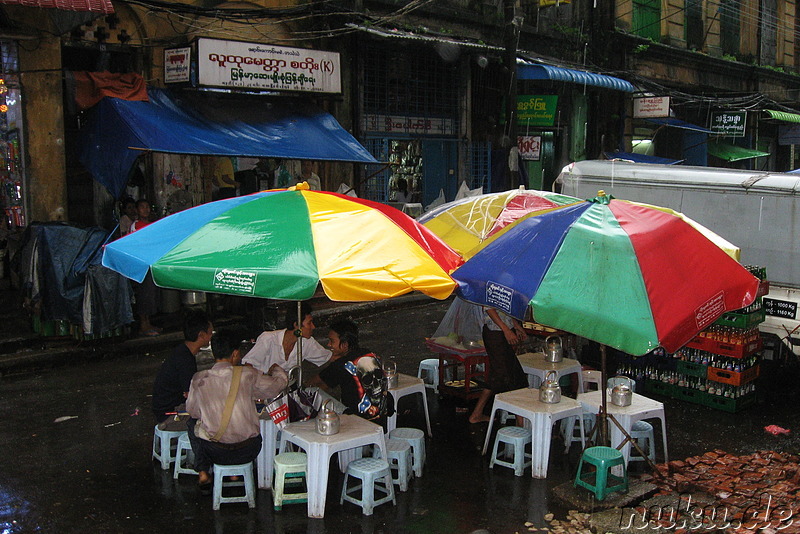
(112, 424)
(775, 430)
(135, 412)
(64, 418)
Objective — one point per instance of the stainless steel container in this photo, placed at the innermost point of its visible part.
(550, 391)
(554, 350)
(621, 394)
(328, 420)
(193, 298)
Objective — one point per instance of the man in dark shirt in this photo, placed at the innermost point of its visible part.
(172, 382)
(357, 372)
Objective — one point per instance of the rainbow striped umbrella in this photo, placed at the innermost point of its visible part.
(281, 244)
(466, 223)
(627, 275)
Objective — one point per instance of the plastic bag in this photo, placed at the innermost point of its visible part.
(303, 405)
(462, 326)
(278, 410)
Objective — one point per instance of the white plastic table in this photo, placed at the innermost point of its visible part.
(525, 403)
(641, 408)
(353, 432)
(535, 366)
(408, 385)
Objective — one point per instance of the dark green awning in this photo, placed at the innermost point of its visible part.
(730, 152)
(782, 115)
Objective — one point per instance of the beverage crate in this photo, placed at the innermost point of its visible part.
(727, 404)
(656, 387)
(742, 320)
(689, 395)
(725, 349)
(763, 288)
(692, 368)
(732, 377)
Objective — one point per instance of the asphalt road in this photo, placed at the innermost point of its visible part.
(92, 472)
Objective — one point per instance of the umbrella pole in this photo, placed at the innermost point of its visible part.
(602, 420)
(299, 333)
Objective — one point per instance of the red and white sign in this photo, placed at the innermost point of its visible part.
(176, 64)
(651, 107)
(530, 147)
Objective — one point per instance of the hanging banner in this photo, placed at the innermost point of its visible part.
(651, 107)
(536, 110)
(530, 147)
(728, 123)
(258, 66)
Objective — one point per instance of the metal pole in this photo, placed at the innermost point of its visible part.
(299, 333)
(602, 420)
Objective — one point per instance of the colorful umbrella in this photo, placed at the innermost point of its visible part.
(281, 244)
(624, 274)
(466, 223)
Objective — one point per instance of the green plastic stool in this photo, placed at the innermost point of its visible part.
(603, 458)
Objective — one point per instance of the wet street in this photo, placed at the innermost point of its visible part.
(92, 471)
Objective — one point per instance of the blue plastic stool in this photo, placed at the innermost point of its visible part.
(603, 458)
(399, 458)
(375, 476)
(415, 438)
(183, 453)
(514, 440)
(642, 432)
(290, 470)
(163, 446)
(245, 472)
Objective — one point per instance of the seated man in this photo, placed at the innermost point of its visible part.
(221, 431)
(172, 381)
(280, 346)
(357, 372)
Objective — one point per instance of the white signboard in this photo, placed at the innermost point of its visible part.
(530, 147)
(650, 107)
(274, 68)
(176, 64)
(408, 125)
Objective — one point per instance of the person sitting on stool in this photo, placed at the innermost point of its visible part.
(224, 431)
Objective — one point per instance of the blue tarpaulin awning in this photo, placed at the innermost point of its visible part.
(677, 123)
(641, 158)
(536, 71)
(216, 124)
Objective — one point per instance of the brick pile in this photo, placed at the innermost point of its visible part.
(754, 492)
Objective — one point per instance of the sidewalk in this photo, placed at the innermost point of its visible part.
(23, 351)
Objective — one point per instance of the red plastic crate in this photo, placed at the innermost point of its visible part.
(763, 288)
(726, 349)
(732, 377)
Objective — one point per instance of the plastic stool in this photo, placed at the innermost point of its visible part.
(429, 372)
(571, 431)
(290, 470)
(415, 438)
(163, 447)
(399, 458)
(375, 475)
(603, 458)
(245, 471)
(183, 453)
(518, 438)
(642, 432)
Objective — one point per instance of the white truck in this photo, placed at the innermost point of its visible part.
(757, 211)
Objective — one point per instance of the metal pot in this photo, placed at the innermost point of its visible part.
(621, 394)
(554, 350)
(550, 391)
(193, 298)
(328, 420)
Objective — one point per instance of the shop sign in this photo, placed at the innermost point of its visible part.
(176, 64)
(530, 147)
(235, 281)
(499, 296)
(536, 110)
(728, 123)
(651, 107)
(408, 125)
(780, 308)
(237, 64)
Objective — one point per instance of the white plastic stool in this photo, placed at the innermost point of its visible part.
(399, 458)
(183, 453)
(408, 385)
(415, 438)
(642, 432)
(163, 446)
(571, 432)
(514, 440)
(290, 468)
(375, 476)
(590, 376)
(245, 471)
(429, 372)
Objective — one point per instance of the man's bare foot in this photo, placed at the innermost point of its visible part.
(203, 478)
(481, 418)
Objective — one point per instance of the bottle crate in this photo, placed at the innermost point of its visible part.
(656, 387)
(692, 368)
(728, 404)
(689, 394)
(742, 320)
(732, 377)
(732, 350)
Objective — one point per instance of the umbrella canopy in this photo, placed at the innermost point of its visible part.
(464, 224)
(624, 274)
(282, 243)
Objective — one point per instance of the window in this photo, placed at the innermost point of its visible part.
(647, 19)
(695, 35)
(729, 26)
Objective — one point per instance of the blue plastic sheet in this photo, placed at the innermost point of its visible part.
(119, 131)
